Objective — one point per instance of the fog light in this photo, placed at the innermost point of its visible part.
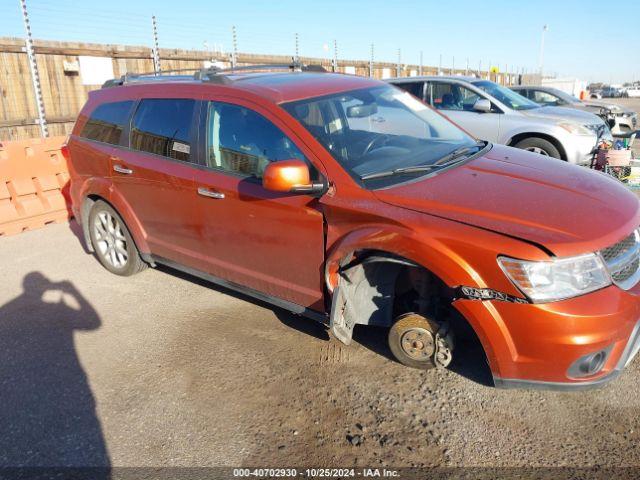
(590, 364)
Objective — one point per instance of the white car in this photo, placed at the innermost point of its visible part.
(495, 113)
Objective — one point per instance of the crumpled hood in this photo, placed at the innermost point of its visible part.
(567, 114)
(567, 209)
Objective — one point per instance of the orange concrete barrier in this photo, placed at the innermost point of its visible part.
(34, 184)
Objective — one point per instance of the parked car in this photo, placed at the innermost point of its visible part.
(349, 201)
(621, 120)
(495, 113)
(611, 92)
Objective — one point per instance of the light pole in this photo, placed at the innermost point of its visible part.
(544, 29)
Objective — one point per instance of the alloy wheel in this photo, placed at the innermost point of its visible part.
(537, 150)
(111, 242)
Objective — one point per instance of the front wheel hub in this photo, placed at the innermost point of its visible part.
(418, 343)
(421, 342)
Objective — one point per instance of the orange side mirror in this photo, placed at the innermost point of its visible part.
(286, 176)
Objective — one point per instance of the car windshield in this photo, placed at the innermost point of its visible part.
(382, 134)
(506, 96)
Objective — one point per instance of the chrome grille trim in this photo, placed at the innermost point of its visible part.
(623, 261)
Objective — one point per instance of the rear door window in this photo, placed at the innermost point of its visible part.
(106, 123)
(163, 127)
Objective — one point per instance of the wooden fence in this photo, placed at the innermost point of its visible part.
(64, 91)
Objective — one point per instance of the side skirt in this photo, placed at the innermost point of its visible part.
(278, 302)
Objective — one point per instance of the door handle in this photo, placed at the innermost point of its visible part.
(208, 193)
(120, 169)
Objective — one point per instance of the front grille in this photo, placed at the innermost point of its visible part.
(623, 261)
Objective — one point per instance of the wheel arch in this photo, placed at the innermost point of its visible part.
(392, 255)
(120, 205)
(545, 136)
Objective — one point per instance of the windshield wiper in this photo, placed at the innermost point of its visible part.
(447, 160)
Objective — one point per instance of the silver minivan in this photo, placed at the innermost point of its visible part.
(495, 113)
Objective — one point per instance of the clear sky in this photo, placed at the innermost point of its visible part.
(586, 39)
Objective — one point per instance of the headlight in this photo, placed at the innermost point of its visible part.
(553, 280)
(576, 128)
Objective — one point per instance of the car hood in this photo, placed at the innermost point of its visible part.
(562, 113)
(567, 209)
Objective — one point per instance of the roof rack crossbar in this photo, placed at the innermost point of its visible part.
(210, 74)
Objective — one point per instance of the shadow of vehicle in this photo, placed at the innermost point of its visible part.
(48, 413)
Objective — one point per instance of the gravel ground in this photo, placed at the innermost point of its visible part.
(164, 370)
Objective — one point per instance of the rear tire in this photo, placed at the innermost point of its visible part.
(540, 146)
(112, 243)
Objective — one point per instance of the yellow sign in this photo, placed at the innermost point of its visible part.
(494, 70)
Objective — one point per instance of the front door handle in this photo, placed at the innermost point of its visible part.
(120, 169)
(205, 192)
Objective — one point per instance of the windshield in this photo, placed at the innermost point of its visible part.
(506, 96)
(380, 129)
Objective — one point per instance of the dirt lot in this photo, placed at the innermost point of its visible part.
(163, 370)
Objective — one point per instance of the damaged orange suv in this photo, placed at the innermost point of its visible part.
(349, 201)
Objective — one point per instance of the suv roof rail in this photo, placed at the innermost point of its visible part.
(210, 74)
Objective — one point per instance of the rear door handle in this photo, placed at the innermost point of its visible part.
(120, 169)
(205, 192)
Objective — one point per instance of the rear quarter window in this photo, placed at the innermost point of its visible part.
(107, 121)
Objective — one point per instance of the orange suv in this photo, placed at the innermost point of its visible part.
(352, 202)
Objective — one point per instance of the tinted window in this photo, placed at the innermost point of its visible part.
(162, 126)
(414, 88)
(107, 121)
(242, 141)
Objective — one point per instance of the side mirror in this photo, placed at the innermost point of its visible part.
(482, 105)
(289, 176)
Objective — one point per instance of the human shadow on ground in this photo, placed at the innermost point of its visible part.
(47, 410)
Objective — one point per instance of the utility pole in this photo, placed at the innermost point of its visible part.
(544, 30)
(297, 50)
(335, 56)
(420, 67)
(466, 70)
(453, 65)
(371, 62)
(398, 67)
(156, 51)
(33, 67)
(440, 66)
(234, 54)
(479, 68)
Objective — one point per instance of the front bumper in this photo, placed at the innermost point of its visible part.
(628, 354)
(535, 345)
